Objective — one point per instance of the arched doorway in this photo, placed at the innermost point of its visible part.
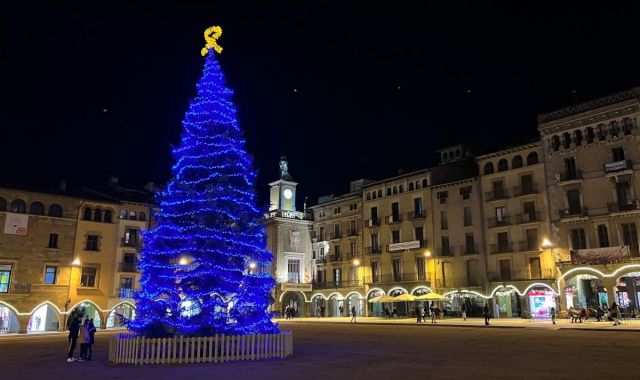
(44, 318)
(399, 307)
(119, 315)
(318, 307)
(585, 290)
(8, 320)
(295, 303)
(89, 311)
(334, 304)
(628, 291)
(376, 309)
(354, 299)
(541, 299)
(506, 303)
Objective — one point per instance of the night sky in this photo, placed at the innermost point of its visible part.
(346, 91)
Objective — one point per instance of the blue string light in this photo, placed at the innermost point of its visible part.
(196, 277)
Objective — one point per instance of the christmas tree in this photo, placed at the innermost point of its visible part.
(201, 263)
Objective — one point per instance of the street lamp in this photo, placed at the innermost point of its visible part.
(74, 263)
(428, 254)
(546, 243)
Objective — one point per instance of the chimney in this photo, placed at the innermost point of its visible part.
(62, 185)
(113, 181)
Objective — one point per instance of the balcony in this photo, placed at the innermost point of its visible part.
(353, 232)
(335, 258)
(131, 243)
(631, 205)
(405, 246)
(416, 214)
(573, 212)
(527, 246)
(322, 260)
(501, 248)
(335, 235)
(126, 293)
(372, 250)
(373, 222)
(444, 251)
(571, 176)
(336, 284)
(19, 288)
(397, 277)
(617, 166)
(528, 217)
(519, 191)
(497, 194)
(469, 250)
(128, 267)
(393, 219)
(495, 222)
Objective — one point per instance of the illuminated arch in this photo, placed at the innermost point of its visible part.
(354, 292)
(293, 291)
(448, 294)
(539, 284)
(398, 288)
(89, 302)
(493, 292)
(123, 303)
(421, 287)
(319, 295)
(338, 296)
(45, 303)
(624, 269)
(374, 290)
(15, 311)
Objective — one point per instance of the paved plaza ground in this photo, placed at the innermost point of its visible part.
(373, 349)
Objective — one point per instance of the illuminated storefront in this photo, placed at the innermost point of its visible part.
(541, 300)
(8, 321)
(585, 290)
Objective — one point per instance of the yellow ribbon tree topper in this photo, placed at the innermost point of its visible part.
(211, 36)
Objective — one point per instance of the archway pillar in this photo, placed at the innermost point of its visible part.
(610, 283)
(62, 322)
(23, 321)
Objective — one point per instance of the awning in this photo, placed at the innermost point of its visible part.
(431, 297)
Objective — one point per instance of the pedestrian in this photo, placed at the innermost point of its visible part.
(418, 314)
(614, 310)
(387, 314)
(395, 312)
(584, 314)
(353, 314)
(84, 340)
(553, 315)
(287, 312)
(74, 330)
(322, 311)
(341, 310)
(318, 311)
(464, 312)
(423, 313)
(92, 339)
(432, 311)
(485, 313)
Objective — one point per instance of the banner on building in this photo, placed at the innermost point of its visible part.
(405, 245)
(16, 224)
(608, 255)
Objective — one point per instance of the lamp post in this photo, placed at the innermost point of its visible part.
(428, 254)
(74, 263)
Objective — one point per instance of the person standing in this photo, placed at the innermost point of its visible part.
(353, 314)
(553, 315)
(341, 310)
(464, 312)
(433, 312)
(318, 309)
(287, 312)
(74, 329)
(614, 310)
(322, 310)
(485, 312)
(92, 336)
(84, 340)
(418, 314)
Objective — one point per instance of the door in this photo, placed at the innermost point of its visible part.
(573, 198)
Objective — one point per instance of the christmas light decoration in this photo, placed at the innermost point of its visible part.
(202, 262)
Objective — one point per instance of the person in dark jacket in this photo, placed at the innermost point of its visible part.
(74, 330)
(486, 314)
(92, 335)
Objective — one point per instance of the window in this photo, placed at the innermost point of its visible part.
(97, 215)
(322, 252)
(50, 274)
(499, 191)
(336, 252)
(379, 193)
(131, 237)
(570, 168)
(395, 237)
(444, 240)
(419, 232)
(395, 212)
(374, 215)
(488, 168)
(375, 271)
(529, 214)
(401, 188)
(618, 155)
(501, 214)
(420, 268)
(293, 267)
(505, 270)
(578, 239)
(321, 234)
(444, 222)
(336, 231)
(503, 165)
(465, 192)
(55, 210)
(355, 206)
(603, 236)
(472, 272)
(534, 268)
(418, 208)
(417, 185)
(397, 270)
(470, 243)
(425, 183)
(5, 277)
(573, 198)
(532, 239)
(374, 242)
(337, 276)
(532, 158)
(86, 214)
(352, 228)
(19, 206)
(353, 249)
(395, 190)
(314, 256)
(123, 214)
(92, 243)
(627, 125)
(37, 208)
(388, 191)
(590, 135)
(410, 186)
(53, 240)
(503, 242)
(555, 143)
(566, 140)
(132, 215)
(336, 210)
(88, 278)
(578, 138)
(368, 196)
(630, 237)
(516, 162)
(374, 196)
(129, 262)
(442, 196)
(108, 216)
(3, 204)
(526, 183)
(467, 216)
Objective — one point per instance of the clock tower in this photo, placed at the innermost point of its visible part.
(283, 191)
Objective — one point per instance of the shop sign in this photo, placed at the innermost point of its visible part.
(295, 287)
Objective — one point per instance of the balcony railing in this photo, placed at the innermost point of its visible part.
(393, 219)
(571, 176)
(128, 267)
(19, 288)
(632, 205)
(520, 276)
(397, 277)
(336, 284)
(497, 194)
(131, 243)
(334, 258)
(372, 222)
(126, 293)
(525, 190)
(469, 250)
(575, 212)
(353, 232)
(416, 214)
(444, 251)
(495, 222)
(372, 250)
(618, 166)
(524, 246)
(501, 248)
(528, 217)
(335, 235)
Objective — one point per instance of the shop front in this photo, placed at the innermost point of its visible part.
(119, 315)
(376, 309)
(88, 311)
(506, 303)
(541, 300)
(585, 290)
(472, 303)
(354, 299)
(8, 321)
(628, 292)
(45, 318)
(318, 306)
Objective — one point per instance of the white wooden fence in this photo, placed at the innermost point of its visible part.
(129, 349)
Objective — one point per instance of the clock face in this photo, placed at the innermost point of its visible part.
(288, 193)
